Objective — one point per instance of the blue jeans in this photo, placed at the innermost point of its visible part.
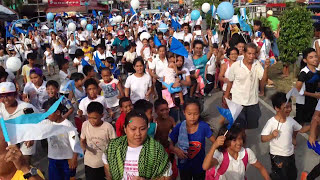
(59, 170)
(274, 47)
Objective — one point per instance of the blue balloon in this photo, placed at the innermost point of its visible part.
(195, 14)
(36, 25)
(89, 27)
(50, 16)
(225, 10)
(86, 3)
(163, 27)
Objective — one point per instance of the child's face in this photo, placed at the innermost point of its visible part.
(109, 37)
(163, 111)
(91, 73)
(172, 59)
(106, 76)
(95, 119)
(145, 42)
(285, 109)
(48, 49)
(107, 64)
(65, 66)
(78, 83)
(52, 91)
(240, 47)
(312, 59)
(31, 61)
(149, 115)
(54, 117)
(85, 45)
(162, 52)
(236, 144)
(126, 107)
(92, 91)
(192, 114)
(8, 99)
(35, 79)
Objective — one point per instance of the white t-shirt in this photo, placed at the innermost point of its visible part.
(49, 58)
(187, 38)
(139, 47)
(3, 60)
(57, 47)
(188, 63)
(18, 112)
(138, 86)
(37, 96)
(183, 77)
(80, 67)
(236, 169)
(110, 92)
(130, 56)
(72, 46)
(130, 168)
(211, 65)
(281, 145)
(63, 81)
(159, 65)
(86, 101)
(102, 56)
(59, 147)
(265, 49)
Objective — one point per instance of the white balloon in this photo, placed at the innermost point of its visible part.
(167, 14)
(205, 7)
(72, 27)
(142, 16)
(135, 4)
(117, 19)
(83, 23)
(144, 35)
(13, 64)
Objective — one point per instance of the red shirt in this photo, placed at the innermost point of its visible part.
(120, 124)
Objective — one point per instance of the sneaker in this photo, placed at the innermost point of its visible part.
(304, 175)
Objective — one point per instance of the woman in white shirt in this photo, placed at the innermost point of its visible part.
(138, 85)
(57, 46)
(72, 45)
(187, 37)
(140, 155)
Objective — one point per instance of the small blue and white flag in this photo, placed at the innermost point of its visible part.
(232, 113)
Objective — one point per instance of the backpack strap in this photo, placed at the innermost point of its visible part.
(224, 165)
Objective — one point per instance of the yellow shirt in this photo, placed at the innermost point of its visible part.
(26, 72)
(88, 52)
(19, 175)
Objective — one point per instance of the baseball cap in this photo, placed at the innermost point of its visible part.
(7, 87)
(270, 12)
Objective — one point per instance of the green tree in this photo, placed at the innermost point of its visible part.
(296, 32)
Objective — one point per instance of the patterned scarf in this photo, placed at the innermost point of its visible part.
(153, 159)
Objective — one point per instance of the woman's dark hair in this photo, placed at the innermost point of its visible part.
(278, 99)
(52, 83)
(182, 60)
(89, 82)
(79, 53)
(232, 134)
(133, 114)
(267, 32)
(197, 42)
(76, 76)
(95, 107)
(138, 59)
(232, 49)
(86, 69)
(192, 101)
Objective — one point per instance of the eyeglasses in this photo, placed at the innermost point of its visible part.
(7, 95)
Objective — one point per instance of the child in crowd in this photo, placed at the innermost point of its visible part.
(212, 68)
(89, 72)
(61, 148)
(34, 91)
(165, 124)
(28, 51)
(48, 59)
(77, 61)
(170, 77)
(280, 131)
(64, 76)
(95, 137)
(3, 58)
(110, 63)
(27, 67)
(91, 87)
(190, 138)
(146, 107)
(112, 91)
(52, 88)
(78, 92)
(307, 83)
(88, 52)
(125, 107)
(226, 154)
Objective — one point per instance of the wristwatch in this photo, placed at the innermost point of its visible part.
(33, 171)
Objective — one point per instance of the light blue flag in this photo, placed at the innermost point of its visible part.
(178, 48)
(132, 11)
(98, 62)
(54, 26)
(226, 113)
(156, 40)
(232, 113)
(176, 25)
(84, 63)
(94, 13)
(4, 130)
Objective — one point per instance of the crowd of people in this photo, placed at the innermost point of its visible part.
(137, 105)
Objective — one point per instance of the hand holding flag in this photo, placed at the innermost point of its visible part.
(232, 113)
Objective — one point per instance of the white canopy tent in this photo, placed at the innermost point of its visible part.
(7, 14)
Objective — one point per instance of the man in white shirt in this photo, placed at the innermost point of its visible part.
(245, 77)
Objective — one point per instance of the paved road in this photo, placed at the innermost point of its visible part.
(305, 158)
